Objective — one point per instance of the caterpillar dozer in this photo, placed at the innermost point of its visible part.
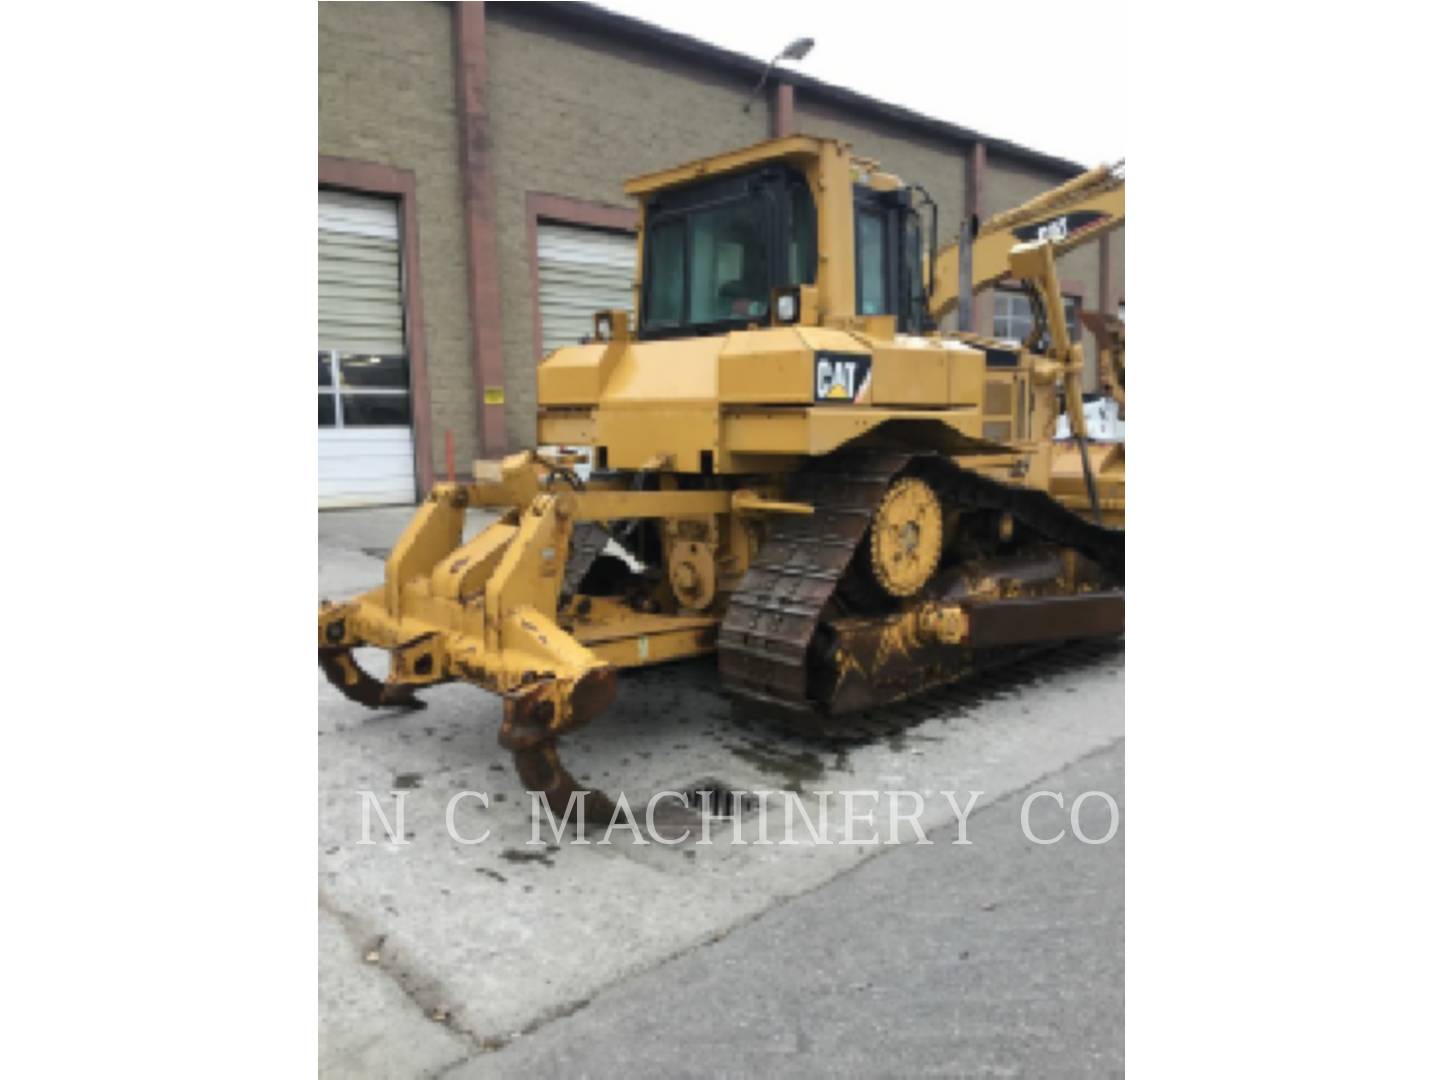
(791, 468)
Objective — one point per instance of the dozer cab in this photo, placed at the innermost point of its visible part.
(791, 468)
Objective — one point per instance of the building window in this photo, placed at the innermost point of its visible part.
(1013, 321)
(1012, 315)
(363, 391)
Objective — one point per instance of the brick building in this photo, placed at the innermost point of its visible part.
(471, 163)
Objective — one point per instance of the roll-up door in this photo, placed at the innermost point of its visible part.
(581, 271)
(367, 454)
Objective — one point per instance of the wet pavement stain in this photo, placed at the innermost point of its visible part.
(517, 855)
(795, 769)
(407, 781)
(901, 740)
(715, 798)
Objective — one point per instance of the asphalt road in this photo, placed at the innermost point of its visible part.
(999, 958)
(503, 958)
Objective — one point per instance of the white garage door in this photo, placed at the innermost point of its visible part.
(367, 455)
(581, 271)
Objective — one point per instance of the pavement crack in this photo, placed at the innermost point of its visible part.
(426, 993)
(557, 1012)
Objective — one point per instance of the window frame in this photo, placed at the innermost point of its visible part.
(1074, 304)
(904, 299)
(771, 186)
(337, 391)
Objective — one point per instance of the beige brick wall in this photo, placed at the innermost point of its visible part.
(387, 95)
(575, 116)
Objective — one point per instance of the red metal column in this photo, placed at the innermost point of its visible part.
(782, 110)
(982, 308)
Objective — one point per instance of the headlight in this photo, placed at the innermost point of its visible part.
(787, 308)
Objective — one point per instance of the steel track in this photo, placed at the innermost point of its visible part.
(775, 614)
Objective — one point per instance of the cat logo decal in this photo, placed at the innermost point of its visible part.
(841, 378)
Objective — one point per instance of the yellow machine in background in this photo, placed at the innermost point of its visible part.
(1066, 217)
(1078, 211)
(846, 505)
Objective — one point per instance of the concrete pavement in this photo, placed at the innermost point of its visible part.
(1000, 958)
(439, 955)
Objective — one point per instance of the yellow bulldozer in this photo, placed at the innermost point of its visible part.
(790, 466)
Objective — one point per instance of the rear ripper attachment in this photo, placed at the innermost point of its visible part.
(507, 610)
(879, 575)
(482, 612)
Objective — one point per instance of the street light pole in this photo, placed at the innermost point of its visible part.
(796, 50)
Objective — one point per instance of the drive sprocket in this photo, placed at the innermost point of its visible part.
(906, 537)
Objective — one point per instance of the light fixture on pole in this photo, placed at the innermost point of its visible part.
(796, 50)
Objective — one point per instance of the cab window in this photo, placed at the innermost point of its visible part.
(665, 282)
(870, 255)
(914, 254)
(802, 248)
(714, 251)
(729, 272)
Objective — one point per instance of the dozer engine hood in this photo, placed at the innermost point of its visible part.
(647, 399)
